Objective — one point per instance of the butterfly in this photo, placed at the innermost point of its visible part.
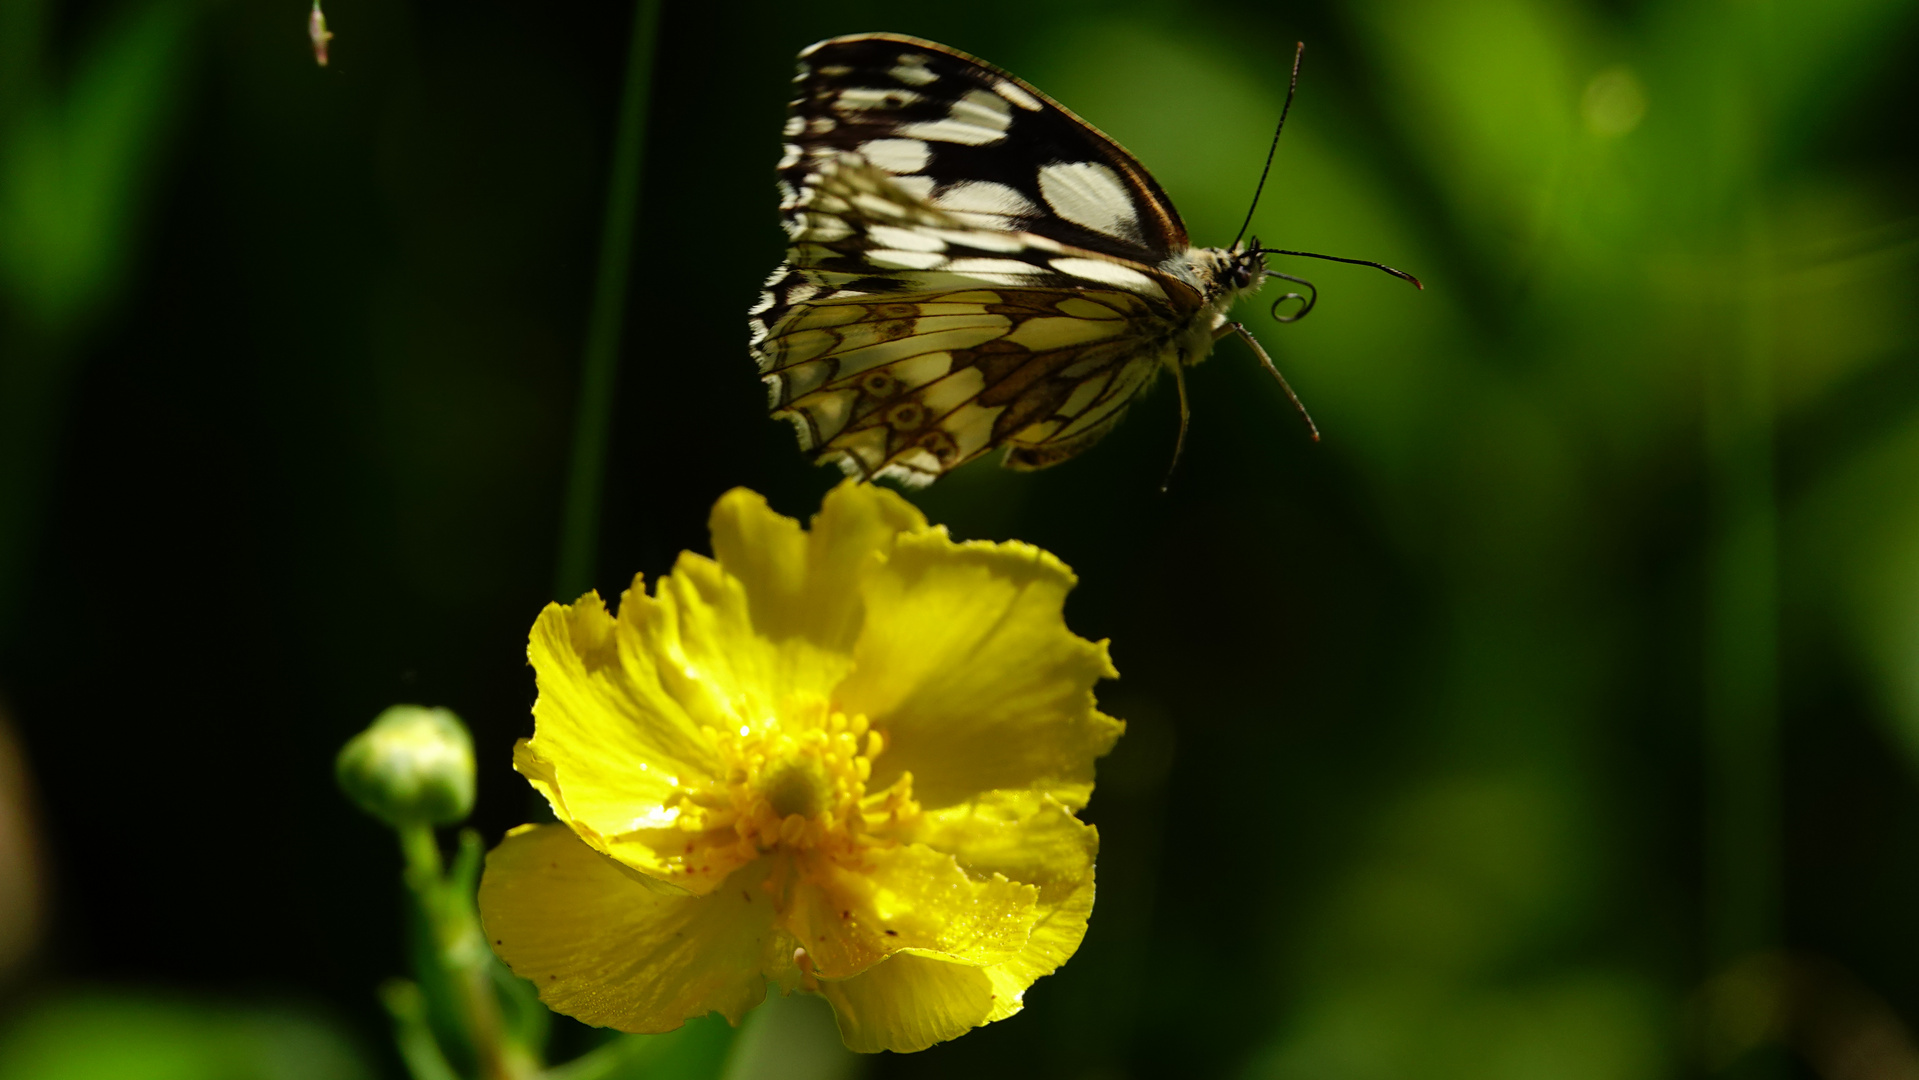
(973, 267)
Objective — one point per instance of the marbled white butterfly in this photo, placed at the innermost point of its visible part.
(973, 266)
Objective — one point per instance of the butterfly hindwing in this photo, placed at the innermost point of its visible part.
(913, 385)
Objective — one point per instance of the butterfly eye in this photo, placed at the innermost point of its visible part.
(879, 384)
(906, 416)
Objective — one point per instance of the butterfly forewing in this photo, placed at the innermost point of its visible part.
(975, 140)
(971, 267)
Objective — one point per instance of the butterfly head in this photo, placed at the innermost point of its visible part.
(1225, 274)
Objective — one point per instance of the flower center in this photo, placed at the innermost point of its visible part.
(800, 781)
(796, 787)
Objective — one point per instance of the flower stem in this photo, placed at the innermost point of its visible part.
(593, 413)
(458, 949)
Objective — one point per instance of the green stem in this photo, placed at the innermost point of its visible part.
(459, 948)
(593, 420)
(414, 1036)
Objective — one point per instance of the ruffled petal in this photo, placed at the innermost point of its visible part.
(604, 948)
(965, 663)
(712, 657)
(1027, 837)
(912, 1001)
(627, 708)
(1056, 936)
(909, 1003)
(611, 744)
(1022, 835)
(905, 896)
(807, 582)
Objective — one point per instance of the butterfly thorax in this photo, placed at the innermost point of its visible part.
(1222, 276)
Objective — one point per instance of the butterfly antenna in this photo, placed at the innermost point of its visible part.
(1400, 274)
(1247, 336)
(1291, 88)
(1185, 416)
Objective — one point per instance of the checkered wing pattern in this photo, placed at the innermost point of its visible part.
(972, 267)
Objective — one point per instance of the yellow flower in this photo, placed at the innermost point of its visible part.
(846, 760)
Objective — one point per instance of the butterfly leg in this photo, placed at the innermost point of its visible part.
(1185, 418)
(1247, 336)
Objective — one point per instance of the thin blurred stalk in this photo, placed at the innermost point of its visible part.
(599, 375)
(1741, 693)
(1743, 770)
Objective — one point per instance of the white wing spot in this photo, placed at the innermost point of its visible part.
(794, 125)
(816, 228)
(984, 109)
(897, 155)
(1090, 194)
(1109, 273)
(912, 70)
(820, 125)
(996, 239)
(919, 187)
(952, 131)
(879, 206)
(985, 197)
(979, 118)
(860, 98)
(1019, 97)
(995, 266)
(905, 260)
(892, 236)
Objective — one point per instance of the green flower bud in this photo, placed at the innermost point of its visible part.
(411, 766)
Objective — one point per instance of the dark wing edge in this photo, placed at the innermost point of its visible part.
(891, 88)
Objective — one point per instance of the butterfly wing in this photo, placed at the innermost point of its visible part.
(971, 267)
(909, 386)
(974, 140)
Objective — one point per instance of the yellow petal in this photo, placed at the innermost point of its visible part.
(712, 657)
(604, 948)
(909, 1003)
(1031, 838)
(610, 745)
(912, 1001)
(905, 896)
(623, 725)
(966, 664)
(807, 582)
(1022, 835)
(1056, 935)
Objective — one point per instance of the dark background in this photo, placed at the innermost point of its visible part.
(1576, 667)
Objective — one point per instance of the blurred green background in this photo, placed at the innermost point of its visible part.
(1508, 733)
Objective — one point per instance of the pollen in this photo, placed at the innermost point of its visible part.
(797, 782)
